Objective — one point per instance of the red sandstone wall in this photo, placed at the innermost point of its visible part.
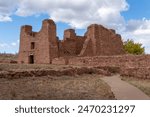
(46, 43)
(122, 60)
(97, 41)
(26, 38)
(69, 47)
(72, 44)
(103, 42)
(129, 65)
(70, 34)
(87, 48)
(79, 44)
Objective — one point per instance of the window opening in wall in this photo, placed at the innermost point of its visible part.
(32, 45)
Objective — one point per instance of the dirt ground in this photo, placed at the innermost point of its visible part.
(26, 81)
(51, 87)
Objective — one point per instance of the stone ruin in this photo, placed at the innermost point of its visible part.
(43, 46)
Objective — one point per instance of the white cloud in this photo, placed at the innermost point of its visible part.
(5, 18)
(9, 47)
(6, 9)
(139, 31)
(78, 13)
(14, 44)
(3, 45)
(18, 41)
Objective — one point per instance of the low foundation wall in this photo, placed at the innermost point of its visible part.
(129, 65)
(141, 72)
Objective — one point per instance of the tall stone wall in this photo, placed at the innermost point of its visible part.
(69, 34)
(26, 38)
(43, 46)
(47, 42)
(38, 47)
(102, 41)
(71, 44)
(79, 43)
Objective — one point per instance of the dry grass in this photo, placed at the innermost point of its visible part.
(142, 84)
(83, 86)
(7, 67)
(8, 56)
(50, 87)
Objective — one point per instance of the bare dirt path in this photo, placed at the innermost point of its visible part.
(124, 91)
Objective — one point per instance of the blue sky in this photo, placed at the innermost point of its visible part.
(137, 10)
(130, 18)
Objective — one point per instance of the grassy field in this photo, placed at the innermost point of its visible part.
(142, 84)
(39, 86)
(51, 87)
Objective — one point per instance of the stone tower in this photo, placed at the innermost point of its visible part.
(38, 47)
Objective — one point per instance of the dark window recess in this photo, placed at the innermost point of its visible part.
(32, 45)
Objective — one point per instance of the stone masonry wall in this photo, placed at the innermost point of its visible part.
(25, 46)
(128, 65)
(102, 41)
(71, 44)
(43, 46)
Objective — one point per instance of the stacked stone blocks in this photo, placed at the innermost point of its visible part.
(43, 46)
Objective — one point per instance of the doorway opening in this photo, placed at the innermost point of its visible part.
(31, 59)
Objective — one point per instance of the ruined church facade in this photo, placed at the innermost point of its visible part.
(43, 46)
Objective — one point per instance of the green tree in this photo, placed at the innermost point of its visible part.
(133, 48)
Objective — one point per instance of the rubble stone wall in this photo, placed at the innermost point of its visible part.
(129, 65)
(43, 46)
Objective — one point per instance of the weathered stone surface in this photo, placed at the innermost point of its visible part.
(126, 65)
(43, 46)
(38, 47)
(101, 41)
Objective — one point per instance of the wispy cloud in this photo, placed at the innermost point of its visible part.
(139, 30)
(9, 47)
(3, 45)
